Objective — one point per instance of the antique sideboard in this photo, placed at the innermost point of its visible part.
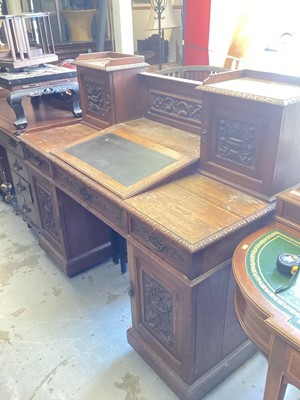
(142, 177)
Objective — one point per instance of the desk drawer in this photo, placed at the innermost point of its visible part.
(11, 144)
(27, 209)
(37, 160)
(91, 198)
(21, 186)
(17, 165)
(159, 244)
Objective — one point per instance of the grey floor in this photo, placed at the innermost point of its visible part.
(65, 339)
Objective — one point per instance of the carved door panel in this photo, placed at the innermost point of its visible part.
(47, 207)
(160, 304)
(97, 99)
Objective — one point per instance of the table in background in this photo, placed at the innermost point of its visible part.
(35, 82)
(271, 320)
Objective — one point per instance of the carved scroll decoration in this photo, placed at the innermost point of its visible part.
(158, 310)
(47, 212)
(95, 98)
(237, 141)
(181, 108)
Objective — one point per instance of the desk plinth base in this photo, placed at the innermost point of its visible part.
(73, 265)
(205, 383)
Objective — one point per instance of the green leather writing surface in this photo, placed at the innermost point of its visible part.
(261, 267)
(121, 159)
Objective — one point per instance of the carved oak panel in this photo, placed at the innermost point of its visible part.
(47, 211)
(158, 310)
(237, 141)
(174, 107)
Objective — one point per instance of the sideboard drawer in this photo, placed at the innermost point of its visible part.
(17, 165)
(12, 144)
(90, 197)
(159, 244)
(21, 186)
(37, 160)
(27, 209)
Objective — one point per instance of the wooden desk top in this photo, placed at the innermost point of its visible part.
(196, 210)
(192, 211)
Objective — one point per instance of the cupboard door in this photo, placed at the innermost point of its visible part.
(47, 205)
(97, 98)
(160, 303)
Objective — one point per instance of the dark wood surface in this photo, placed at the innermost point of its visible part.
(266, 320)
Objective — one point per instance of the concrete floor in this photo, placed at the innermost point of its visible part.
(65, 339)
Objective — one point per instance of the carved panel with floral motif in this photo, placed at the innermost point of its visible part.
(95, 94)
(237, 141)
(181, 108)
(47, 212)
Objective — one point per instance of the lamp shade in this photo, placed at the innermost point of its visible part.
(168, 19)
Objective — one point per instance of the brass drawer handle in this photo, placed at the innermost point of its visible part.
(17, 166)
(12, 143)
(37, 160)
(156, 243)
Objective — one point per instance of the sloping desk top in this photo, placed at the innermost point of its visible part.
(123, 161)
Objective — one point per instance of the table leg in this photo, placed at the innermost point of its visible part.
(275, 386)
(75, 100)
(14, 99)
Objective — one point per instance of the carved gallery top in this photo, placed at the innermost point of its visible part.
(110, 61)
(254, 85)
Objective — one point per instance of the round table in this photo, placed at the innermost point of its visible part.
(271, 320)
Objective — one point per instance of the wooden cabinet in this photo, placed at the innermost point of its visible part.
(61, 223)
(250, 131)
(18, 173)
(180, 242)
(109, 87)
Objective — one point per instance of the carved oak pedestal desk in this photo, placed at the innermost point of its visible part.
(180, 238)
(180, 221)
(35, 82)
(270, 319)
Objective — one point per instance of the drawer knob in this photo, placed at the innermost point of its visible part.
(12, 143)
(16, 166)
